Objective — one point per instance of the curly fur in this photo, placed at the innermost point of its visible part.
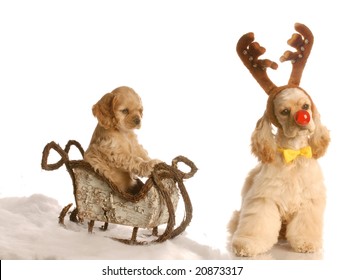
(114, 150)
(278, 197)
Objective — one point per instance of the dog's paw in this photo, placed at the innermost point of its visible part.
(305, 245)
(146, 167)
(153, 162)
(243, 247)
(248, 247)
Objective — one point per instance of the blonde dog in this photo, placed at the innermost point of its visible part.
(114, 150)
(284, 196)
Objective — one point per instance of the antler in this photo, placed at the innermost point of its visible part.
(249, 52)
(303, 44)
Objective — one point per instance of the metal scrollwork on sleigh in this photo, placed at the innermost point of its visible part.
(98, 199)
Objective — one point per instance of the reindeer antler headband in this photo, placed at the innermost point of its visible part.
(250, 51)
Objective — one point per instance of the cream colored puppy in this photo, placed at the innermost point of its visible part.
(114, 150)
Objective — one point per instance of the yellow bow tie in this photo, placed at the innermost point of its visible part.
(289, 155)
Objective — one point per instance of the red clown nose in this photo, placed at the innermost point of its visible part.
(302, 117)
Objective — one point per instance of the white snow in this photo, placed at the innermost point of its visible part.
(30, 231)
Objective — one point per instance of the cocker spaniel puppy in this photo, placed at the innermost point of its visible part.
(114, 150)
(284, 195)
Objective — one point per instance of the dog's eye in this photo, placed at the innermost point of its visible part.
(305, 107)
(125, 111)
(285, 112)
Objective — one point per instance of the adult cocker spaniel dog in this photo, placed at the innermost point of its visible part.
(114, 150)
(284, 195)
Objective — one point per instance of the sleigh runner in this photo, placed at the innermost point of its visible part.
(98, 199)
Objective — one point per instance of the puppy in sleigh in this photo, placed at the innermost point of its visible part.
(106, 181)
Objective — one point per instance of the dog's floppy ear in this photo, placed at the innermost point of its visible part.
(262, 140)
(320, 139)
(103, 110)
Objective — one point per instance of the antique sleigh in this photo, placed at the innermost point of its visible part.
(98, 199)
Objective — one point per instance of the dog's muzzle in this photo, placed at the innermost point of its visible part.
(137, 121)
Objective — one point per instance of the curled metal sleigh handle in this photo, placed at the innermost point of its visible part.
(189, 163)
(162, 170)
(63, 153)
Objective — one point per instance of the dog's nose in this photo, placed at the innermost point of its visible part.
(302, 117)
(137, 120)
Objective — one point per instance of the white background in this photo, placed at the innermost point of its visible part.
(57, 58)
